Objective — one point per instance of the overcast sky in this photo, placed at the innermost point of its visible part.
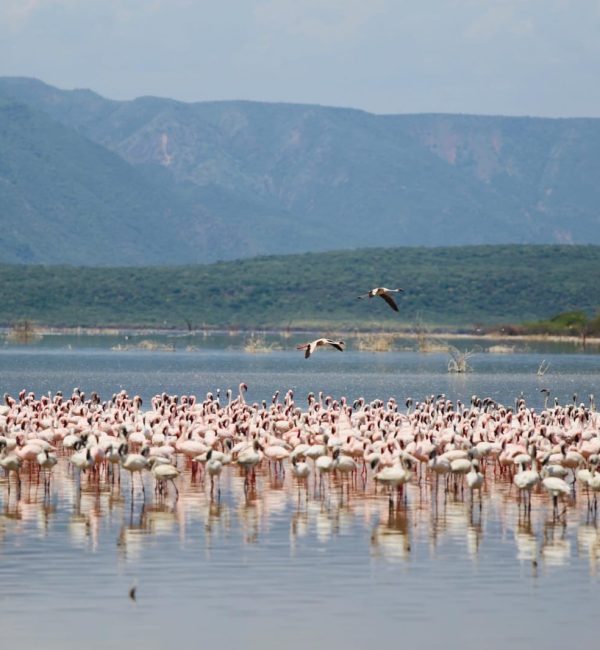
(514, 57)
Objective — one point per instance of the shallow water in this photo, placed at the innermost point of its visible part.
(285, 566)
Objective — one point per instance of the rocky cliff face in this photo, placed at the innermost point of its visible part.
(246, 178)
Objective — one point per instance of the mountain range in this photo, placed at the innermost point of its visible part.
(86, 180)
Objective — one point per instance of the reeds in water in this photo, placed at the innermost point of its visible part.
(23, 332)
(501, 349)
(256, 344)
(146, 344)
(376, 343)
(460, 360)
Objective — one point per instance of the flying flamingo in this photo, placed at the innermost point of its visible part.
(384, 293)
(317, 343)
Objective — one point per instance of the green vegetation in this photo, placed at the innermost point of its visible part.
(570, 323)
(469, 288)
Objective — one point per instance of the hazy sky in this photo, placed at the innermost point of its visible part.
(517, 57)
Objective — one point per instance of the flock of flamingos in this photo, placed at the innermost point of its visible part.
(451, 448)
(323, 443)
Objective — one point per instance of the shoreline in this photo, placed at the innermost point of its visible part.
(441, 334)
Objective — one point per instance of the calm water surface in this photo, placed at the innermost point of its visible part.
(289, 567)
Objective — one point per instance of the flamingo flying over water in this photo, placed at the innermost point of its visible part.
(317, 343)
(384, 293)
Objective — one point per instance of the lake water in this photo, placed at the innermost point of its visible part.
(282, 566)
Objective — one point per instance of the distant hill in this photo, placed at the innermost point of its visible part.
(452, 286)
(221, 180)
(62, 197)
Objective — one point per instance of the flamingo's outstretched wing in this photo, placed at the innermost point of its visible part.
(338, 345)
(390, 301)
(306, 347)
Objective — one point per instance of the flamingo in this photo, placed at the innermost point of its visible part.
(46, 461)
(556, 487)
(214, 466)
(384, 293)
(396, 475)
(248, 459)
(312, 346)
(300, 469)
(134, 463)
(323, 465)
(164, 472)
(343, 464)
(475, 479)
(12, 463)
(526, 480)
